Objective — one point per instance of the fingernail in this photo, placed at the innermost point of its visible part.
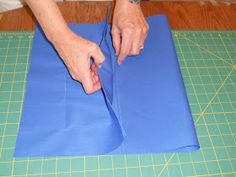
(119, 62)
(99, 65)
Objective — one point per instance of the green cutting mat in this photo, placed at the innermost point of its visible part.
(208, 64)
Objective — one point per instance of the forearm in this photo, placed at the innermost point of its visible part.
(50, 18)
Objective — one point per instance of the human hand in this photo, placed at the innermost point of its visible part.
(129, 29)
(73, 49)
(76, 52)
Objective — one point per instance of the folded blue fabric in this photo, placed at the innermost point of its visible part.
(142, 107)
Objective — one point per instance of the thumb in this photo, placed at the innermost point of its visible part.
(87, 81)
(97, 56)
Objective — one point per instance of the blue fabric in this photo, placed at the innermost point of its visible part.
(142, 107)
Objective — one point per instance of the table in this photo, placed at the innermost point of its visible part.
(208, 65)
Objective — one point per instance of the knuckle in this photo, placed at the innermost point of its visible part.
(94, 47)
(113, 31)
(99, 60)
(139, 30)
(74, 76)
(146, 28)
(135, 52)
(128, 30)
(88, 90)
(103, 59)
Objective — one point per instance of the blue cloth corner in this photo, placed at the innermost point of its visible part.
(142, 107)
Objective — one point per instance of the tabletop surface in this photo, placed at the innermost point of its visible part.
(182, 15)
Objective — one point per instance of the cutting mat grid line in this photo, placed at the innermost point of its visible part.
(208, 65)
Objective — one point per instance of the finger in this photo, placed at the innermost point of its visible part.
(94, 71)
(137, 43)
(144, 35)
(126, 44)
(96, 80)
(89, 79)
(97, 56)
(116, 39)
(96, 86)
(96, 77)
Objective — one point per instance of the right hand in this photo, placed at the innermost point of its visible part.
(76, 52)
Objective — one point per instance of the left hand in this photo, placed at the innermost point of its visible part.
(129, 29)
